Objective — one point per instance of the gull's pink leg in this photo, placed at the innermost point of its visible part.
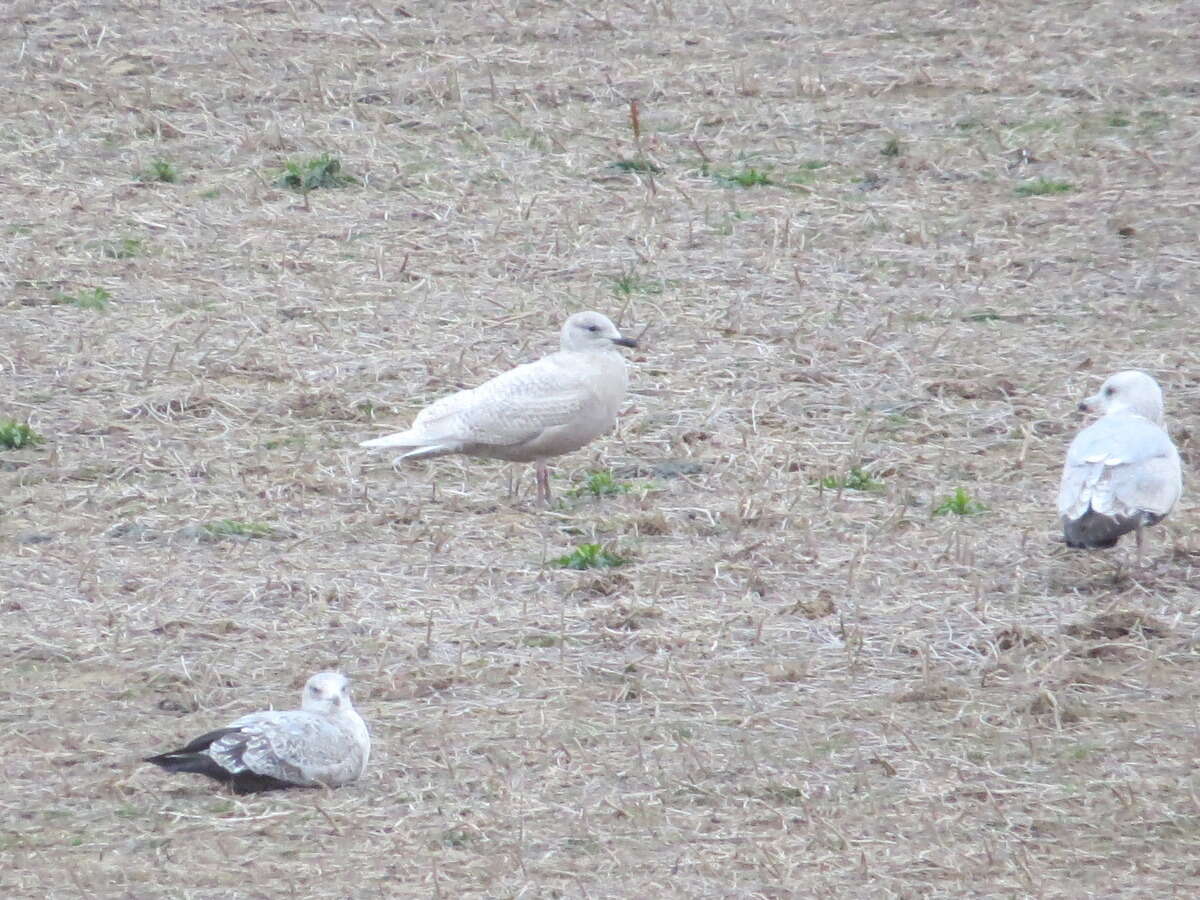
(543, 482)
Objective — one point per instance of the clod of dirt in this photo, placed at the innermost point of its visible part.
(974, 389)
(609, 584)
(663, 468)
(1011, 637)
(1114, 625)
(1062, 709)
(929, 691)
(654, 523)
(34, 537)
(816, 607)
(625, 618)
(134, 531)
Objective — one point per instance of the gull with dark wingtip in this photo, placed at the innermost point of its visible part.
(322, 744)
(1122, 472)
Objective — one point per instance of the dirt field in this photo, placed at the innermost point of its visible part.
(879, 250)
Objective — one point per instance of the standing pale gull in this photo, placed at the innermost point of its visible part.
(533, 412)
(322, 744)
(1122, 472)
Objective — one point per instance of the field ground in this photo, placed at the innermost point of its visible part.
(879, 249)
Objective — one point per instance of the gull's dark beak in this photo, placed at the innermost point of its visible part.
(625, 342)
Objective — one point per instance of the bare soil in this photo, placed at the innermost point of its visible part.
(889, 242)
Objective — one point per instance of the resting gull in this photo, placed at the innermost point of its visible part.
(1122, 472)
(538, 410)
(324, 743)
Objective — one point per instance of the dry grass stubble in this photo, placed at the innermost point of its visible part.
(790, 690)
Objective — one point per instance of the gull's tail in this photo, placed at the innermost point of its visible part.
(418, 445)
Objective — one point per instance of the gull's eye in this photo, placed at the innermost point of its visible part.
(592, 327)
(1108, 392)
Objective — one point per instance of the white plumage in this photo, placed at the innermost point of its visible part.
(324, 743)
(1123, 472)
(538, 410)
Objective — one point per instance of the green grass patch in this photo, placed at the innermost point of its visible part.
(322, 171)
(854, 480)
(15, 435)
(1035, 125)
(121, 248)
(459, 836)
(641, 166)
(295, 440)
(628, 284)
(589, 556)
(235, 528)
(1153, 119)
(600, 484)
(983, 315)
(892, 147)
(1041, 187)
(743, 178)
(960, 503)
(159, 170)
(95, 299)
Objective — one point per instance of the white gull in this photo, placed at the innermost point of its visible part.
(1122, 472)
(533, 412)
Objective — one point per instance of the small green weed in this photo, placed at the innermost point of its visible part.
(807, 173)
(122, 248)
(960, 503)
(854, 480)
(15, 435)
(1036, 125)
(600, 484)
(159, 170)
(96, 299)
(458, 836)
(983, 315)
(746, 178)
(210, 194)
(627, 284)
(1040, 187)
(892, 147)
(295, 440)
(636, 165)
(234, 528)
(1117, 120)
(1153, 119)
(589, 556)
(322, 171)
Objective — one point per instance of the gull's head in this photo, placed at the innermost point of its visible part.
(592, 331)
(1129, 391)
(327, 693)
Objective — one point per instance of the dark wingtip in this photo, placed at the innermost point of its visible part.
(1095, 531)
